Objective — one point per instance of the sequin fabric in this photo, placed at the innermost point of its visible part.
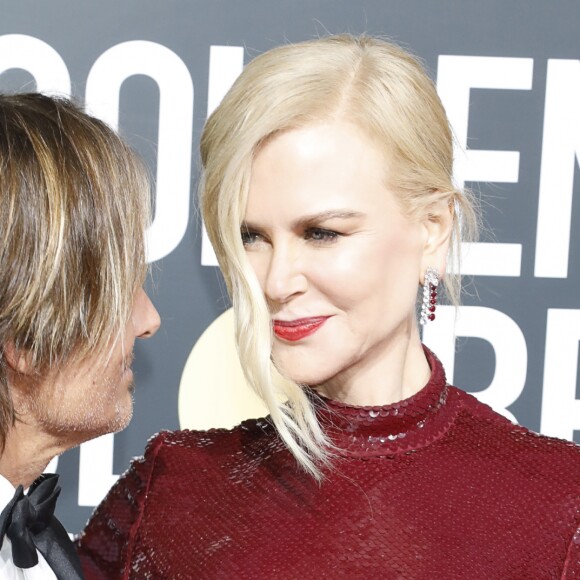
(434, 487)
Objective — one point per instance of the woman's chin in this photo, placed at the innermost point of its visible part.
(305, 376)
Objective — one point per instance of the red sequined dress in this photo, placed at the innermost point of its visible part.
(437, 486)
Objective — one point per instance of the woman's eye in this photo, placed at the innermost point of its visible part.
(320, 235)
(249, 238)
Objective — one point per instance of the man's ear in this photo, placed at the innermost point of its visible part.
(18, 359)
(439, 227)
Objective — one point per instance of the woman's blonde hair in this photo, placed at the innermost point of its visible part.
(74, 204)
(363, 80)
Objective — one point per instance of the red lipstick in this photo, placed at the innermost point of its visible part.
(294, 330)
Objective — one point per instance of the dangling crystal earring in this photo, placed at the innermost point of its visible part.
(429, 295)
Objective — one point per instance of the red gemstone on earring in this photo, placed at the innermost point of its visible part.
(431, 308)
(431, 317)
(434, 295)
(433, 301)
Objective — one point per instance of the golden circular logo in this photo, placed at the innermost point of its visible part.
(213, 391)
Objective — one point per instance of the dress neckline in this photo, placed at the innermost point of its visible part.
(404, 426)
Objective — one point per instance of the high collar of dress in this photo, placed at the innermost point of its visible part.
(404, 426)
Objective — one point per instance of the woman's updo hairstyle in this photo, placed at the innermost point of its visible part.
(384, 91)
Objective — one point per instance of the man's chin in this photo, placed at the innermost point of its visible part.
(124, 416)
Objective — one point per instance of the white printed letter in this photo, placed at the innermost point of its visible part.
(96, 469)
(561, 146)
(504, 335)
(456, 76)
(104, 82)
(560, 407)
(39, 59)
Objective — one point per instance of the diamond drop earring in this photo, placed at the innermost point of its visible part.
(429, 295)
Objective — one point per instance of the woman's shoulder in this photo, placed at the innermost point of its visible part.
(219, 446)
(220, 436)
(491, 430)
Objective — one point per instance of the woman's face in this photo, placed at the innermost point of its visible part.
(337, 260)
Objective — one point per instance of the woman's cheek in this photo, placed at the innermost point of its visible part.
(360, 269)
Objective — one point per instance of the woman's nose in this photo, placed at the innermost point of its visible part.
(145, 316)
(285, 278)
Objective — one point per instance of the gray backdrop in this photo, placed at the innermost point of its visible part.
(518, 332)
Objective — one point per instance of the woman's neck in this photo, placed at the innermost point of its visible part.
(393, 372)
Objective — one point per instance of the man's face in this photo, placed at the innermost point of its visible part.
(92, 397)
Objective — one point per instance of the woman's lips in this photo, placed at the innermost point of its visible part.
(294, 330)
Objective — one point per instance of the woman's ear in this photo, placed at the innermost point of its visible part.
(439, 227)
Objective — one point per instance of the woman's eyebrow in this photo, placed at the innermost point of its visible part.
(310, 219)
(327, 215)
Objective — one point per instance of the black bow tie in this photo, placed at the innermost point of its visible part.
(29, 522)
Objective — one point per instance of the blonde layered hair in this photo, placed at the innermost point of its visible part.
(366, 81)
(74, 203)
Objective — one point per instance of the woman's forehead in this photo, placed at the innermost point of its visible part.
(325, 167)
